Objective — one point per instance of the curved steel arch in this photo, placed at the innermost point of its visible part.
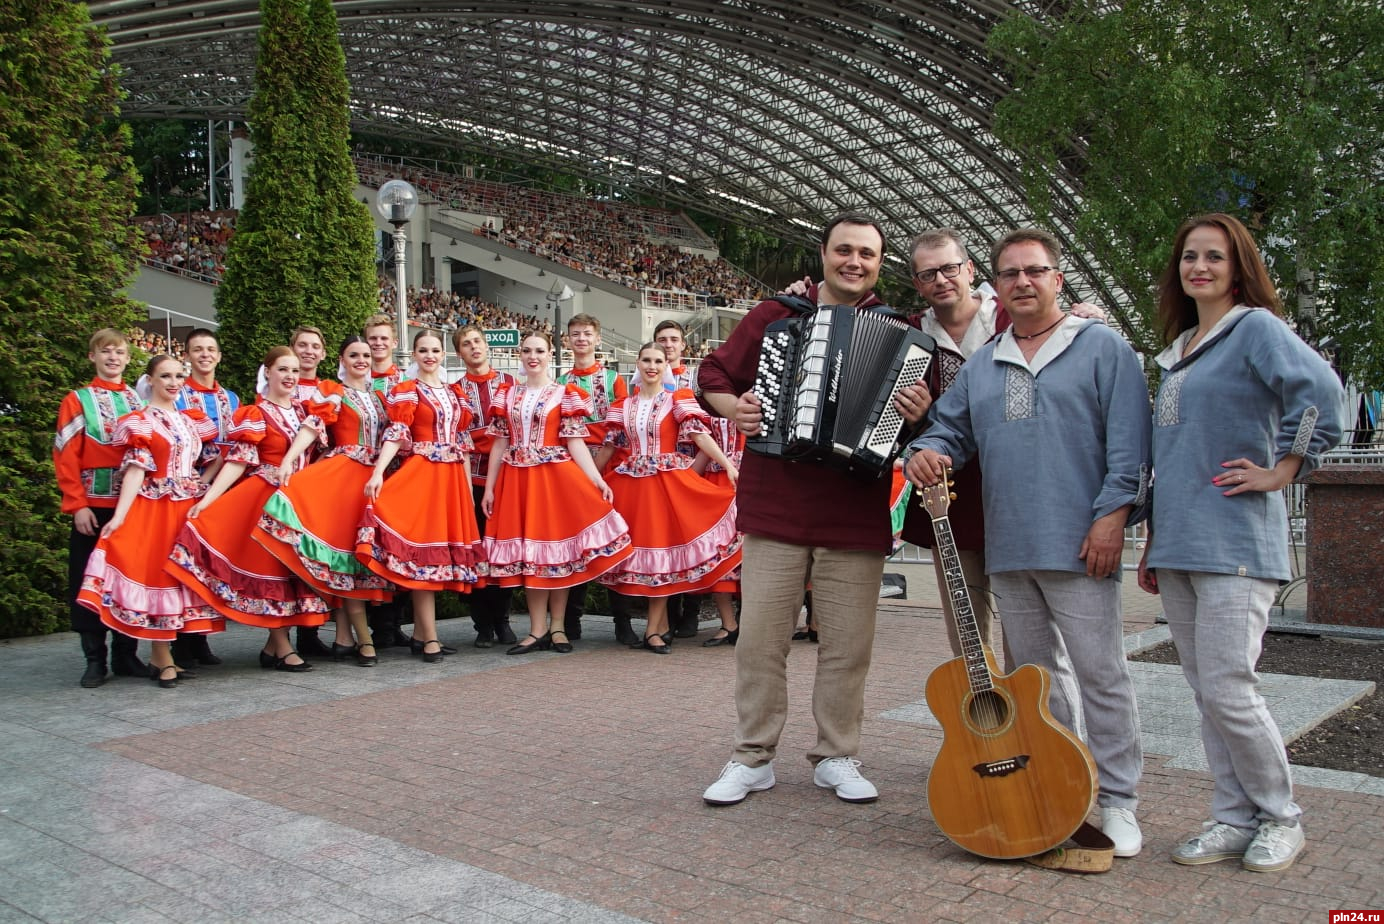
(774, 115)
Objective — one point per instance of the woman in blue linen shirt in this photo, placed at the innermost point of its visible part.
(1244, 408)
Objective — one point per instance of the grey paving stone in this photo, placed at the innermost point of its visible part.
(12, 915)
(179, 849)
(1338, 779)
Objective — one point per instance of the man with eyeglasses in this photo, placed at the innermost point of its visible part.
(1055, 411)
(961, 319)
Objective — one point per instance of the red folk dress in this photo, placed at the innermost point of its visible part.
(310, 524)
(421, 533)
(125, 582)
(550, 527)
(682, 525)
(215, 554)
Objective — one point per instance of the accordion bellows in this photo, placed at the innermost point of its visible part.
(827, 382)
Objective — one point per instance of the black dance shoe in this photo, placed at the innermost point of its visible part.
(538, 644)
(160, 676)
(416, 646)
(342, 652)
(730, 638)
(281, 664)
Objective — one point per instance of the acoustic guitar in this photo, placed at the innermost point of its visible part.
(1010, 780)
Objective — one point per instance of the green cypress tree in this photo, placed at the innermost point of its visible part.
(263, 294)
(302, 252)
(345, 290)
(67, 252)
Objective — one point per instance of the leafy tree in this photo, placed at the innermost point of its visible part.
(170, 155)
(346, 289)
(67, 250)
(302, 243)
(1161, 109)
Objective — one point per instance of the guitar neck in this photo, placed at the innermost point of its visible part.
(972, 648)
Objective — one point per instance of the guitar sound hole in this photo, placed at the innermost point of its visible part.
(989, 711)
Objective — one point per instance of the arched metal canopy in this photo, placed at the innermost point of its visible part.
(775, 115)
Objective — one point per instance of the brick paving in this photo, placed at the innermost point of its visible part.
(556, 788)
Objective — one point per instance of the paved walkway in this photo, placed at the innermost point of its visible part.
(566, 788)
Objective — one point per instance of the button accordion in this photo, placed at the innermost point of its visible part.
(827, 381)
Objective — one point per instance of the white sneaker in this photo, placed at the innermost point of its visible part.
(737, 781)
(1275, 847)
(1216, 842)
(1119, 825)
(843, 775)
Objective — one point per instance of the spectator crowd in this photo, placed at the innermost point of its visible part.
(193, 243)
(639, 247)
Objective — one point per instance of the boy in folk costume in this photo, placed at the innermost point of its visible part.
(605, 387)
(85, 459)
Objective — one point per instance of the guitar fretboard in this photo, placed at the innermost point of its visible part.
(972, 648)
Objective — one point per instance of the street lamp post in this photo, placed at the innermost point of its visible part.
(395, 202)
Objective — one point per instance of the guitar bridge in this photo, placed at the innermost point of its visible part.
(1002, 767)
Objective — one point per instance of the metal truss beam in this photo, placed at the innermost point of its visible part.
(772, 114)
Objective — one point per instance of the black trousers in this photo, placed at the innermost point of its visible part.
(488, 604)
(79, 549)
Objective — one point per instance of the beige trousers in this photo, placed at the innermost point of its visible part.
(845, 592)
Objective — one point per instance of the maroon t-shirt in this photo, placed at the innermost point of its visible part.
(801, 503)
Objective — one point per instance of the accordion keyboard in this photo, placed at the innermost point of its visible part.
(776, 353)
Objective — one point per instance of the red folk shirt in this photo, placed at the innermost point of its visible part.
(795, 502)
(479, 390)
(604, 388)
(85, 454)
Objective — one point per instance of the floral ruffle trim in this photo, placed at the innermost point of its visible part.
(253, 596)
(511, 558)
(443, 452)
(167, 609)
(246, 453)
(640, 466)
(522, 456)
(365, 455)
(498, 573)
(690, 427)
(398, 432)
(330, 568)
(137, 458)
(690, 563)
(409, 569)
(572, 428)
(174, 488)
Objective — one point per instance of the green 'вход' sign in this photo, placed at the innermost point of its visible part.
(502, 338)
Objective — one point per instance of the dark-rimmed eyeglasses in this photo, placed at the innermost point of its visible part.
(1032, 272)
(948, 270)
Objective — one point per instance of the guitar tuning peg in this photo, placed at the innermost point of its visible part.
(951, 495)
